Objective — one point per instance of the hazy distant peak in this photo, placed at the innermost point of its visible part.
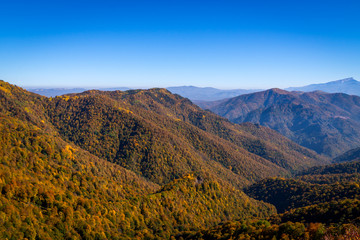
(191, 87)
(345, 80)
(346, 85)
(207, 93)
(340, 81)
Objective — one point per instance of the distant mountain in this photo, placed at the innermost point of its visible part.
(208, 93)
(347, 85)
(193, 93)
(114, 89)
(327, 123)
(53, 92)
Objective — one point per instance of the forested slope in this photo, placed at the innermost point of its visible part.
(163, 136)
(150, 164)
(319, 203)
(51, 188)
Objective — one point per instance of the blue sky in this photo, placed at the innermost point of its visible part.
(223, 44)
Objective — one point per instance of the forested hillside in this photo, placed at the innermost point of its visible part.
(313, 186)
(150, 164)
(162, 136)
(52, 190)
(319, 203)
(136, 164)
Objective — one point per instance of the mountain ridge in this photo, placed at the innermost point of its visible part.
(351, 155)
(173, 113)
(203, 94)
(328, 123)
(208, 93)
(191, 92)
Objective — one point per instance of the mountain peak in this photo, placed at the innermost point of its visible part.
(278, 90)
(345, 80)
(347, 85)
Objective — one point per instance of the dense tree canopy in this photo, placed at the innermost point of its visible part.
(148, 164)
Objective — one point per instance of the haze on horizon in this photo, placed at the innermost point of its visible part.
(227, 45)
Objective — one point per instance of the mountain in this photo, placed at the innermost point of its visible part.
(324, 122)
(348, 85)
(123, 165)
(351, 155)
(207, 93)
(53, 92)
(162, 136)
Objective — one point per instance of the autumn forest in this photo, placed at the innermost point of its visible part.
(149, 164)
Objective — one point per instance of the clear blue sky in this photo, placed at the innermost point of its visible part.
(223, 44)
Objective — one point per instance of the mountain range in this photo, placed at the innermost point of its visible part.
(149, 164)
(208, 93)
(142, 130)
(53, 92)
(328, 123)
(347, 85)
(191, 92)
(135, 164)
